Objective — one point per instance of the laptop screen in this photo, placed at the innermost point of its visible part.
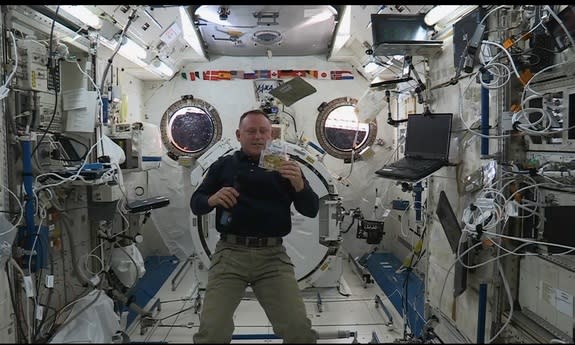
(394, 28)
(428, 136)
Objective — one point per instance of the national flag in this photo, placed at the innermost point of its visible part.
(286, 73)
(237, 74)
(250, 75)
(311, 74)
(323, 75)
(194, 75)
(341, 75)
(274, 74)
(263, 74)
(224, 75)
(300, 73)
(211, 75)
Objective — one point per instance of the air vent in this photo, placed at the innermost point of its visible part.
(267, 37)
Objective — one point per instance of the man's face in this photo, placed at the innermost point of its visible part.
(255, 129)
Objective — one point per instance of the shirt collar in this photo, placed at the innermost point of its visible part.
(244, 157)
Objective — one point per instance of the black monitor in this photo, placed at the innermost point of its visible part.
(452, 231)
(395, 34)
(428, 136)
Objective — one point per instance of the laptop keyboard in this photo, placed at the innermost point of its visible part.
(419, 164)
(410, 169)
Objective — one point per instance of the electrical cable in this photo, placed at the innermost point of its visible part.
(4, 89)
(53, 71)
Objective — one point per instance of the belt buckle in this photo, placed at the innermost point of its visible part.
(253, 242)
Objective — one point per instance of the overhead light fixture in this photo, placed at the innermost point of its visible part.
(371, 67)
(343, 31)
(133, 49)
(190, 34)
(130, 50)
(443, 15)
(438, 12)
(161, 67)
(84, 15)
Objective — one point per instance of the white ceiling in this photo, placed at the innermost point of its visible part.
(247, 31)
(266, 30)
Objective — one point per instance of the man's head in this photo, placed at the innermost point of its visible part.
(253, 131)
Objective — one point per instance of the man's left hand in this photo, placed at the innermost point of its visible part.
(290, 170)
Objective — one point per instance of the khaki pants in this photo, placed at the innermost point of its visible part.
(270, 273)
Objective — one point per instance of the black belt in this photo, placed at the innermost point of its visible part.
(251, 241)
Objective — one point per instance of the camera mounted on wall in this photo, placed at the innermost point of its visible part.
(369, 230)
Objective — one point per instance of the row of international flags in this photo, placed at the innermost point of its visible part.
(267, 74)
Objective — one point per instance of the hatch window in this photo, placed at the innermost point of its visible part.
(189, 127)
(337, 129)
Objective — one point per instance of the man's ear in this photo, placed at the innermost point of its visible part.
(238, 134)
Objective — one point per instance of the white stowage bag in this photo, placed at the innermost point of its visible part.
(128, 264)
(98, 323)
(113, 150)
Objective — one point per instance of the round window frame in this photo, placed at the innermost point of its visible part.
(188, 101)
(324, 112)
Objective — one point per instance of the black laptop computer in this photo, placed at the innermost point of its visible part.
(452, 231)
(426, 148)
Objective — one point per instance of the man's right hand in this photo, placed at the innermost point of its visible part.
(226, 197)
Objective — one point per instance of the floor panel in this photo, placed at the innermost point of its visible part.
(351, 309)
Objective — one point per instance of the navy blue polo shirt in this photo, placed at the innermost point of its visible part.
(263, 207)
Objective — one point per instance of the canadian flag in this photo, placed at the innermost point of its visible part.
(274, 74)
(323, 75)
(211, 75)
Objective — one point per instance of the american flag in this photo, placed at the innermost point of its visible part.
(341, 75)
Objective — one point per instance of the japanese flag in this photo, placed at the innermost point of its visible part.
(323, 75)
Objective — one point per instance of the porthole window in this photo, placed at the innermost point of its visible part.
(189, 127)
(337, 126)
